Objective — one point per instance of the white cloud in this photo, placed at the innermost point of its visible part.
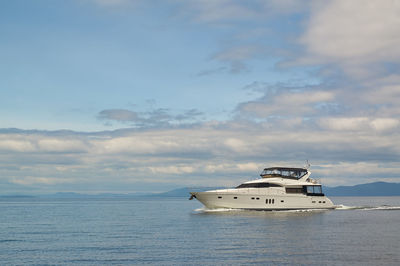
(370, 170)
(61, 145)
(353, 33)
(345, 123)
(249, 167)
(235, 144)
(172, 169)
(383, 94)
(16, 144)
(359, 124)
(287, 103)
(224, 152)
(41, 143)
(384, 124)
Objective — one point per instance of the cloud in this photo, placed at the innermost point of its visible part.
(220, 152)
(30, 143)
(286, 103)
(384, 124)
(359, 124)
(118, 115)
(346, 123)
(155, 118)
(353, 35)
(382, 97)
(17, 144)
(236, 56)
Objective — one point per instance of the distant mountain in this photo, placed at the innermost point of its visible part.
(370, 189)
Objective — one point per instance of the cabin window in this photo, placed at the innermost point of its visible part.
(282, 201)
(273, 201)
(252, 198)
(257, 185)
(314, 190)
(234, 197)
(291, 190)
(219, 197)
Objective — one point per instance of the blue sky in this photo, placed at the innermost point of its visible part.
(125, 96)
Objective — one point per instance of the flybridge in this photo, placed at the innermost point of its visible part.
(284, 172)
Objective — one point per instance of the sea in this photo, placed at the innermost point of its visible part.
(176, 231)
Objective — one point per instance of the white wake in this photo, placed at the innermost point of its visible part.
(367, 208)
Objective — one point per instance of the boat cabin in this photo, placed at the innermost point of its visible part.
(283, 172)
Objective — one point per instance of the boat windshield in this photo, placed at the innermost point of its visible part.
(292, 173)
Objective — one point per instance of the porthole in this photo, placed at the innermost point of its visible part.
(282, 201)
(273, 201)
(234, 197)
(252, 198)
(257, 198)
(323, 202)
(219, 197)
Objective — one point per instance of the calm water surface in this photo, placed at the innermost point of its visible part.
(178, 232)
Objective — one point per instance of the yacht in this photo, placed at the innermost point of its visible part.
(279, 188)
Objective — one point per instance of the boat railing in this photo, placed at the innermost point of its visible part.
(313, 181)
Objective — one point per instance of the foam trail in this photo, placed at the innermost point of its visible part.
(344, 207)
(385, 208)
(302, 210)
(367, 208)
(216, 210)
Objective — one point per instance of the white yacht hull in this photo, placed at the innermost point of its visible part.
(231, 200)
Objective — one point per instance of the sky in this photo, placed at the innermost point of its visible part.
(133, 96)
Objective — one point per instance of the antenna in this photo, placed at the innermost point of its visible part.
(307, 164)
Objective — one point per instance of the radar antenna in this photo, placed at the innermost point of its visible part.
(307, 166)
